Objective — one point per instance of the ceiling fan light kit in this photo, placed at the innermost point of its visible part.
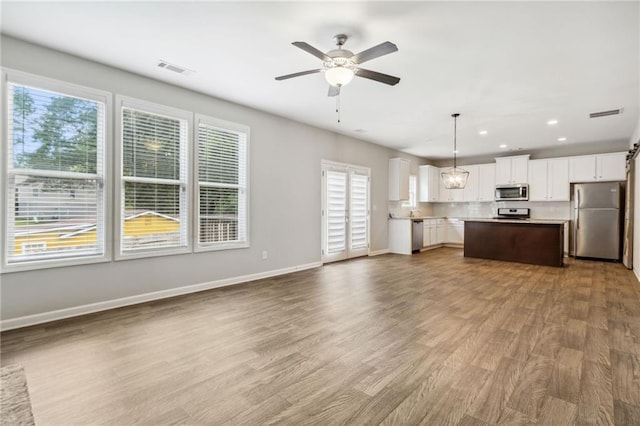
(454, 178)
(338, 76)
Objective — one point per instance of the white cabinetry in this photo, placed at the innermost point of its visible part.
(426, 233)
(440, 231)
(487, 185)
(449, 195)
(549, 180)
(612, 167)
(455, 231)
(398, 179)
(400, 236)
(602, 167)
(481, 183)
(511, 170)
(433, 232)
(429, 184)
(472, 188)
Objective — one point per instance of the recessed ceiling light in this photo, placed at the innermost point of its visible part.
(503, 146)
(482, 132)
(562, 139)
(552, 122)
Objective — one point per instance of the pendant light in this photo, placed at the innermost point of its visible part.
(454, 178)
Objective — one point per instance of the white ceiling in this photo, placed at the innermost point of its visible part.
(507, 67)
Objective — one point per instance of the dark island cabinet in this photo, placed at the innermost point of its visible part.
(538, 243)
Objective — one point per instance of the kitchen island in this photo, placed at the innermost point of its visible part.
(538, 242)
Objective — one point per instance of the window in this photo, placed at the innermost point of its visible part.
(56, 136)
(153, 190)
(222, 184)
(413, 189)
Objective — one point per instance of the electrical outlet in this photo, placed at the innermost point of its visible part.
(264, 255)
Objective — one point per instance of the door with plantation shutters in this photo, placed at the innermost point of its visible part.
(345, 211)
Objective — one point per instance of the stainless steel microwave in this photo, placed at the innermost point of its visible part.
(512, 192)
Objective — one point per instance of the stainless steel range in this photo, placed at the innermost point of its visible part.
(521, 213)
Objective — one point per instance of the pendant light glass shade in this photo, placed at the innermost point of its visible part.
(454, 178)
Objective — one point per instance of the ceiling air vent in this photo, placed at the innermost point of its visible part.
(175, 68)
(605, 113)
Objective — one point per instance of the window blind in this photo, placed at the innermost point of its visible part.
(55, 166)
(154, 213)
(358, 211)
(222, 186)
(336, 211)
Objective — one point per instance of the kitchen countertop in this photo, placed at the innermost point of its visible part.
(526, 221)
(488, 219)
(418, 218)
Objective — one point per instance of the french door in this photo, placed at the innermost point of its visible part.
(345, 211)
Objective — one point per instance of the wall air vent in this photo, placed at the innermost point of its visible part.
(605, 113)
(175, 68)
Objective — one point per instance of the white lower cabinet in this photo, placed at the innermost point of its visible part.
(433, 232)
(426, 234)
(455, 231)
(400, 234)
(441, 231)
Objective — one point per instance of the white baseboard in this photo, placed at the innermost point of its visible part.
(636, 273)
(379, 252)
(13, 323)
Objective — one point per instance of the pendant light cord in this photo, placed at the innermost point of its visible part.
(455, 133)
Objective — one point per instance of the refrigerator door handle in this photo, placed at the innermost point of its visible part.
(576, 214)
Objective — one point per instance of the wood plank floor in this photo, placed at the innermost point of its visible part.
(433, 339)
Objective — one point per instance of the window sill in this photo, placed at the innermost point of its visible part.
(52, 263)
(222, 246)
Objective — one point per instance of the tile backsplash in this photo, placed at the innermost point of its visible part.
(539, 210)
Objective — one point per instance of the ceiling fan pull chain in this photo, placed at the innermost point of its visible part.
(338, 106)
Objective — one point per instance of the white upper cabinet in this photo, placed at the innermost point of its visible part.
(512, 170)
(612, 167)
(429, 184)
(487, 182)
(549, 180)
(470, 192)
(398, 179)
(481, 184)
(602, 167)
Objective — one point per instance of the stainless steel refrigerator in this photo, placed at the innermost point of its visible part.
(598, 220)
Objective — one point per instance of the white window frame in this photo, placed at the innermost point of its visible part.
(65, 88)
(185, 150)
(413, 192)
(233, 127)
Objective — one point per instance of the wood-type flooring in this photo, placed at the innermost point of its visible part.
(433, 339)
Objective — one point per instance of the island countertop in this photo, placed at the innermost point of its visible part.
(524, 221)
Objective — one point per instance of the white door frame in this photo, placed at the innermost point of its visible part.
(349, 170)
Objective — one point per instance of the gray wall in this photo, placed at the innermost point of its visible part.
(284, 195)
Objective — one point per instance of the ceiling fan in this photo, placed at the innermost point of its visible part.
(341, 65)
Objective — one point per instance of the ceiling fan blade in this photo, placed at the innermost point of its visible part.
(377, 76)
(333, 91)
(374, 52)
(310, 49)
(297, 74)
